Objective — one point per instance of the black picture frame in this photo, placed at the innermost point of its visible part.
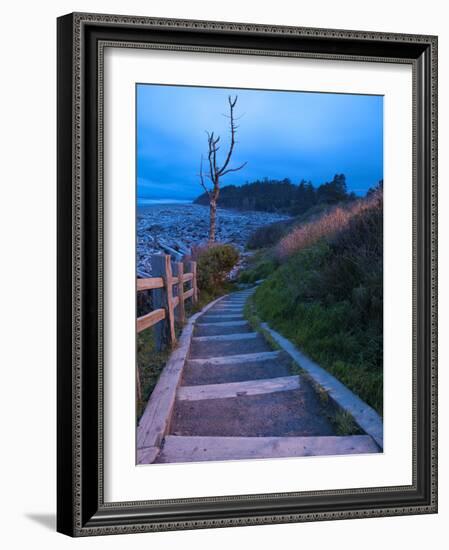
(81, 509)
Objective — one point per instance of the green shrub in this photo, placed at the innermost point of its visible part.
(268, 235)
(261, 270)
(214, 265)
(150, 363)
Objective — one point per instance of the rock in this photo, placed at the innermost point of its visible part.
(175, 228)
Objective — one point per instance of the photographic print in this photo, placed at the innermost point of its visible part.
(259, 273)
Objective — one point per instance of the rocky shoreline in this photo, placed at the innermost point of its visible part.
(175, 228)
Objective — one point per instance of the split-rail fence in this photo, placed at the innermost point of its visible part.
(168, 299)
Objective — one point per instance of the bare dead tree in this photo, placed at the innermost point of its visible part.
(215, 172)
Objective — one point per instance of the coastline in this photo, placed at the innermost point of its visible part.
(175, 227)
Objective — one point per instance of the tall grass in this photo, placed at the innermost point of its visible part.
(325, 226)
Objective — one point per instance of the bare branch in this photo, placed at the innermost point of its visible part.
(234, 169)
(210, 156)
(232, 103)
(235, 117)
(203, 185)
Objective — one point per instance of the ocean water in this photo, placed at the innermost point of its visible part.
(142, 203)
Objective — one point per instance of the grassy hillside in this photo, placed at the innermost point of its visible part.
(323, 291)
(269, 235)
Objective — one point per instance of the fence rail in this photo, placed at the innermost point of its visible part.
(150, 283)
(150, 319)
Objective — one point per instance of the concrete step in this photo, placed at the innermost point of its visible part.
(218, 317)
(281, 413)
(212, 329)
(227, 337)
(225, 324)
(197, 372)
(200, 448)
(243, 359)
(238, 299)
(226, 308)
(235, 389)
(226, 311)
(229, 304)
(203, 347)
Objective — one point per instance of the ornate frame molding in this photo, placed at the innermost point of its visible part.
(82, 512)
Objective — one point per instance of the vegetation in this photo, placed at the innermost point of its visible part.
(344, 423)
(323, 291)
(281, 195)
(269, 235)
(214, 263)
(150, 363)
(261, 266)
(327, 225)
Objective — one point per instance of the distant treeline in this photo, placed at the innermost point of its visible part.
(269, 195)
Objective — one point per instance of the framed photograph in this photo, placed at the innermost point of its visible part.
(247, 288)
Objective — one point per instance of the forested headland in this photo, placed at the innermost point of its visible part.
(282, 196)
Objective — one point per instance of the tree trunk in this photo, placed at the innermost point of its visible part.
(213, 216)
(216, 172)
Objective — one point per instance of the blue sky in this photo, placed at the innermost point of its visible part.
(296, 135)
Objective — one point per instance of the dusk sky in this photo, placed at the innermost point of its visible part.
(296, 135)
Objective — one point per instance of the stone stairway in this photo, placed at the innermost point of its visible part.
(238, 398)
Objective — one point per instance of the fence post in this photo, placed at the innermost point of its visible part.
(163, 298)
(194, 282)
(179, 272)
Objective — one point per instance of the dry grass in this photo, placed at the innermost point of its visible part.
(324, 227)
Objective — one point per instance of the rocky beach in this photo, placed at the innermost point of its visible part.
(175, 228)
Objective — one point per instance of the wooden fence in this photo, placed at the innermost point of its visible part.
(168, 297)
